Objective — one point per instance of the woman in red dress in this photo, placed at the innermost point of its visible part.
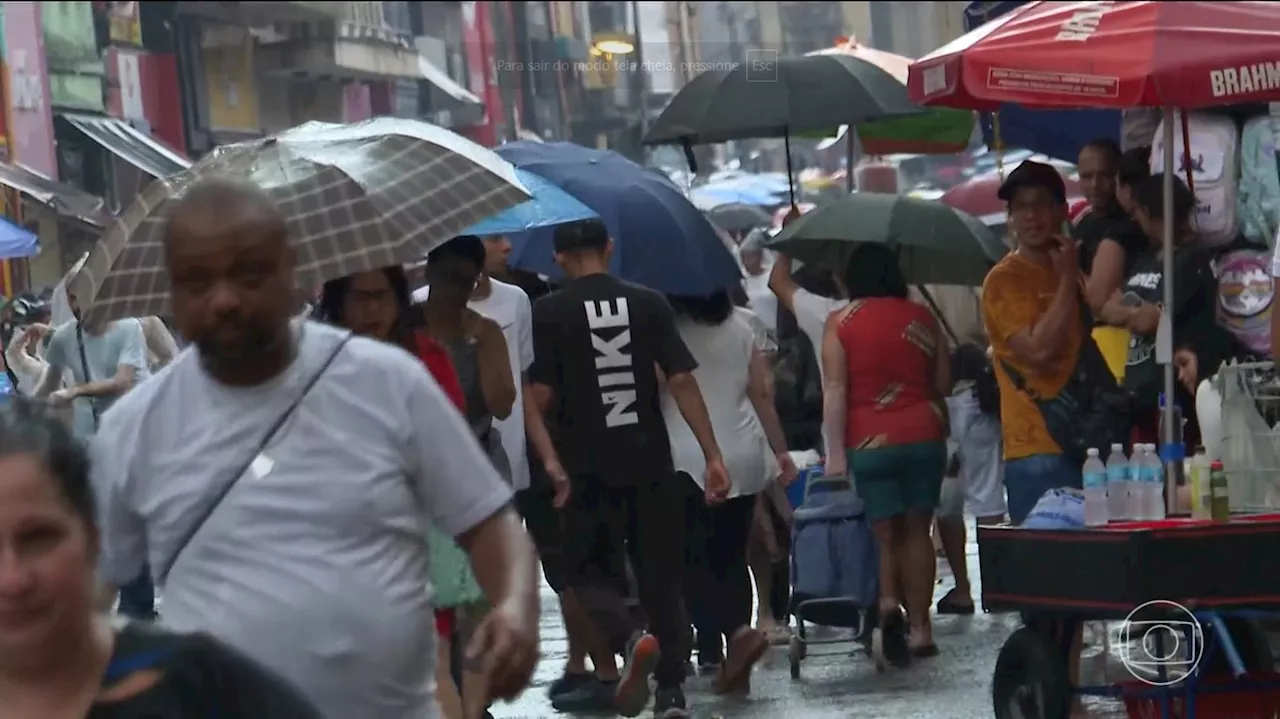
(378, 304)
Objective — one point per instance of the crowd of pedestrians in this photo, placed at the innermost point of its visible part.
(351, 522)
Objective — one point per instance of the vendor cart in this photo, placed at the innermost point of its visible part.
(1189, 592)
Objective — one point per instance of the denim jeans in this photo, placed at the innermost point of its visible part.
(138, 598)
(1026, 479)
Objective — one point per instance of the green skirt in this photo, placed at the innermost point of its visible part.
(450, 571)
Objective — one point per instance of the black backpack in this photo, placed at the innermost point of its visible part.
(969, 363)
(797, 386)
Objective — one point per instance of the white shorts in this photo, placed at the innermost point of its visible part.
(980, 485)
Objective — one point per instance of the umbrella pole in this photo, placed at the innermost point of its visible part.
(791, 184)
(1164, 335)
(849, 152)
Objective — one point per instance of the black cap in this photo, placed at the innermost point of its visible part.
(1034, 174)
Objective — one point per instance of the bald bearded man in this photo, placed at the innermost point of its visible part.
(279, 478)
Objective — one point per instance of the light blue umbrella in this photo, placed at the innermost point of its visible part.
(772, 183)
(16, 241)
(709, 197)
(550, 206)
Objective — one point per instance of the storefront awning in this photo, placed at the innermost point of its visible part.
(129, 144)
(446, 84)
(59, 197)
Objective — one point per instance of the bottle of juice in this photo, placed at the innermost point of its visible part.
(1201, 499)
(1220, 506)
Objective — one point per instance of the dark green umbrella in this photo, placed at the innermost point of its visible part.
(937, 244)
(775, 97)
(737, 217)
(768, 96)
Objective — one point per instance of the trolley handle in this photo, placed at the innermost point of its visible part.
(835, 481)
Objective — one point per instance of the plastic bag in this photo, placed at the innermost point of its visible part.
(449, 568)
(1247, 445)
(1057, 509)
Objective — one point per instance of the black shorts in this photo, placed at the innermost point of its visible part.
(545, 525)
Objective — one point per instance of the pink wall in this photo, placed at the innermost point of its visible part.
(357, 105)
(31, 129)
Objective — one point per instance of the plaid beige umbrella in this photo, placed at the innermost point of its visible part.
(356, 198)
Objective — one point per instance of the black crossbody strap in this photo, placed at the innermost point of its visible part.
(84, 368)
(243, 468)
(1086, 327)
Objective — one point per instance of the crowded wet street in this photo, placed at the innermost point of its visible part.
(954, 685)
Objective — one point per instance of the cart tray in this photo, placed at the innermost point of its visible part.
(1099, 572)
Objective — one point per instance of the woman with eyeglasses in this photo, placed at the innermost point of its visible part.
(377, 304)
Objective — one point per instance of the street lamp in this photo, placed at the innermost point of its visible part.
(608, 44)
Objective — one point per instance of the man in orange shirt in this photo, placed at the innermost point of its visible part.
(1031, 310)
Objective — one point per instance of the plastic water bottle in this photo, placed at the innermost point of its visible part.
(1095, 490)
(1138, 469)
(1118, 504)
(1155, 506)
(1149, 492)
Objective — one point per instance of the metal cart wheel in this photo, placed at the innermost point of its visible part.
(1030, 679)
(796, 653)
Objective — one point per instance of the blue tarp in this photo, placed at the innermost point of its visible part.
(1056, 133)
(16, 241)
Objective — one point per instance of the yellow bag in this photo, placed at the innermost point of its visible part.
(1113, 343)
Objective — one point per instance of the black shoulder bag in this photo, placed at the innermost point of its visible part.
(84, 367)
(1091, 409)
(244, 467)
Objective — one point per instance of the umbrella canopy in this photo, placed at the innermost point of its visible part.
(550, 206)
(709, 197)
(355, 198)
(17, 241)
(660, 239)
(773, 183)
(1187, 55)
(936, 244)
(787, 95)
(977, 196)
(739, 218)
(937, 131)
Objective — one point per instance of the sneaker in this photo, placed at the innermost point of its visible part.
(889, 642)
(591, 696)
(567, 683)
(670, 704)
(745, 649)
(633, 687)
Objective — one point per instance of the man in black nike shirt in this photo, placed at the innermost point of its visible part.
(599, 347)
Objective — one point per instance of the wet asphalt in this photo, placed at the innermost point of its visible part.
(841, 683)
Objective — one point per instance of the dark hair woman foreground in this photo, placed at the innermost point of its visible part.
(60, 658)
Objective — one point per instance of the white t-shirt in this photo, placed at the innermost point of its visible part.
(761, 299)
(811, 313)
(509, 306)
(315, 563)
(122, 343)
(724, 357)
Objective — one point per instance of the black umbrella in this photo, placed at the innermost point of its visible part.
(738, 217)
(776, 98)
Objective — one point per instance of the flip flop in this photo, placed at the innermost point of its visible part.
(948, 605)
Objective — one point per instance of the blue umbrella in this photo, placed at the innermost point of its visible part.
(660, 240)
(709, 197)
(16, 241)
(550, 206)
(771, 183)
